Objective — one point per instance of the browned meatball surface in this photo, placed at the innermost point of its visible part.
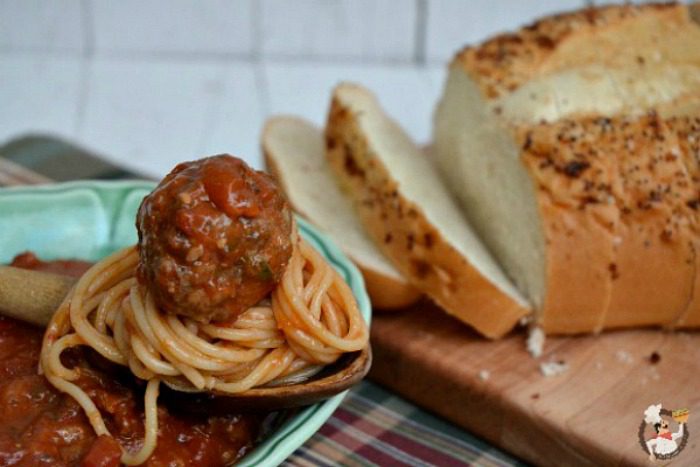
(214, 238)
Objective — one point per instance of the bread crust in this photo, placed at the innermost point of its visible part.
(406, 236)
(505, 62)
(386, 293)
(617, 194)
(577, 220)
(655, 257)
(615, 199)
(688, 131)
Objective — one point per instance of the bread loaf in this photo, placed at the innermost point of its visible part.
(294, 154)
(571, 146)
(412, 218)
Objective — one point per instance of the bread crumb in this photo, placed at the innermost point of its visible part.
(553, 368)
(535, 341)
(624, 357)
(484, 375)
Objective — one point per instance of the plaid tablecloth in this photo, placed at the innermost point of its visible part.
(371, 427)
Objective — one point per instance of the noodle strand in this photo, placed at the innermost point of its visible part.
(311, 319)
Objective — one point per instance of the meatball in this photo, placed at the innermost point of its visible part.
(214, 238)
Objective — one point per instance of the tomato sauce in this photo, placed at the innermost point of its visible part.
(39, 426)
(29, 260)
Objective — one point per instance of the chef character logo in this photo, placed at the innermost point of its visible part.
(656, 435)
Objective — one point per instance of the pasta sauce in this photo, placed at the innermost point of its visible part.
(41, 426)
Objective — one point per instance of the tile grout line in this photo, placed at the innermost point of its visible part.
(86, 18)
(262, 89)
(252, 59)
(420, 32)
(213, 111)
(261, 84)
(259, 71)
(203, 57)
(418, 56)
(256, 26)
(255, 55)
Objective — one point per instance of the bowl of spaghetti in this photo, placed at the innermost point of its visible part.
(111, 312)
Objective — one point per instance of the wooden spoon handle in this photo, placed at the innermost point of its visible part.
(32, 296)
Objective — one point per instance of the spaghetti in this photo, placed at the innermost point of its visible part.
(309, 320)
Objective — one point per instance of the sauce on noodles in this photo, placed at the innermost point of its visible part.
(41, 426)
(220, 295)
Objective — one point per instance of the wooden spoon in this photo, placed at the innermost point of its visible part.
(33, 296)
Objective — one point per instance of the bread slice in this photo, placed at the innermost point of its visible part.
(687, 129)
(557, 142)
(294, 154)
(408, 212)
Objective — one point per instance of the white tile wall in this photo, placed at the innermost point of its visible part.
(451, 24)
(408, 92)
(173, 26)
(39, 94)
(366, 30)
(153, 82)
(41, 25)
(151, 114)
(358, 29)
(237, 117)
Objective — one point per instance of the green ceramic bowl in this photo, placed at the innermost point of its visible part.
(90, 219)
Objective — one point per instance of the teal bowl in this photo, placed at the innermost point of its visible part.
(90, 219)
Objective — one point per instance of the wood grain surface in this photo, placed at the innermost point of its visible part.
(589, 415)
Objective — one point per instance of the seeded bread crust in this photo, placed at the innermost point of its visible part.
(688, 131)
(573, 190)
(506, 62)
(405, 235)
(656, 247)
(386, 292)
(602, 104)
(617, 203)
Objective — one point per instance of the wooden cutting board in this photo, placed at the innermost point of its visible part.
(589, 415)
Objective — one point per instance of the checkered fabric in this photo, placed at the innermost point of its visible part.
(376, 428)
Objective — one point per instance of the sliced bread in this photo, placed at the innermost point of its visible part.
(560, 143)
(687, 130)
(413, 219)
(294, 154)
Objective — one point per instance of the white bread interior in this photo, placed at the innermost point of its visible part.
(294, 153)
(411, 216)
(506, 101)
